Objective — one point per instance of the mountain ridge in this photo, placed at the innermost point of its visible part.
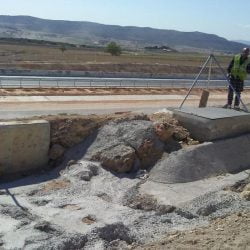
(89, 33)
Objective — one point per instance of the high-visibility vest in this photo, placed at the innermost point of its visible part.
(239, 71)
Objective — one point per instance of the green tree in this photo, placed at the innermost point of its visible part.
(114, 49)
(63, 48)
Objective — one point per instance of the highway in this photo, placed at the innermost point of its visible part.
(69, 82)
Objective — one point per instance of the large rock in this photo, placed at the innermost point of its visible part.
(164, 131)
(120, 145)
(119, 158)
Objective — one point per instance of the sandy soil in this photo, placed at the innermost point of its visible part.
(217, 97)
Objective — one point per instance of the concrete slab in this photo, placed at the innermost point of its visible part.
(23, 146)
(178, 194)
(203, 161)
(210, 123)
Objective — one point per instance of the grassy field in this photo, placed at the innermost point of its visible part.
(52, 58)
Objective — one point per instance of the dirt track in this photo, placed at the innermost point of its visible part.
(108, 99)
(106, 91)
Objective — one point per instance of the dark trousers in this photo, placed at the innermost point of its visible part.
(238, 87)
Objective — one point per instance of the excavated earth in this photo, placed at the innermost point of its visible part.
(90, 196)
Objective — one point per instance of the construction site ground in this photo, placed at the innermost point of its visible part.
(54, 209)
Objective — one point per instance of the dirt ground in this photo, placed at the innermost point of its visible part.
(13, 56)
(231, 232)
(174, 97)
(106, 91)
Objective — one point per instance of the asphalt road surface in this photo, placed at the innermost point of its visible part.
(39, 81)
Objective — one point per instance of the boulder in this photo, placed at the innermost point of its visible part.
(119, 158)
(164, 131)
(119, 146)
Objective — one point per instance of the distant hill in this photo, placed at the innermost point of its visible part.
(243, 41)
(89, 33)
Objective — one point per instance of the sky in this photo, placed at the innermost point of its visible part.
(226, 18)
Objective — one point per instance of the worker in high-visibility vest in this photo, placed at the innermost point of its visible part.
(237, 70)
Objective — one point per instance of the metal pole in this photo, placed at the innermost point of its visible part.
(230, 85)
(196, 79)
(209, 72)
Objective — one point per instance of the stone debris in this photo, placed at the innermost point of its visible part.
(92, 198)
(245, 194)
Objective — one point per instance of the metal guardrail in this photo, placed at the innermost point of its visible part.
(75, 82)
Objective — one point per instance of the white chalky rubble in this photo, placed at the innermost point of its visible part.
(41, 218)
(80, 205)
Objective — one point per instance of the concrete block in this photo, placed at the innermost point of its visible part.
(203, 161)
(23, 146)
(210, 123)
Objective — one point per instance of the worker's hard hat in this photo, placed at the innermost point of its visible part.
(245, 51)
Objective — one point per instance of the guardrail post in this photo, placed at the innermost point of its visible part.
(74, 83)
(57, 83)
(39, 83)
(20, 83)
